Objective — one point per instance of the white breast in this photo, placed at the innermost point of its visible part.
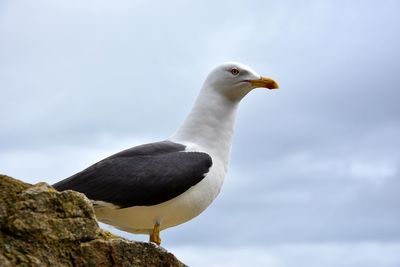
(208, 128)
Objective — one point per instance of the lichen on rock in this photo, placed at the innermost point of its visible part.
(43, 227)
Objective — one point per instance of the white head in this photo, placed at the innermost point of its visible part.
(235, 80)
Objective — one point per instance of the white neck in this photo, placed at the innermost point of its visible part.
(210, 124)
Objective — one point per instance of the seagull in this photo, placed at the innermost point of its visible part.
(155, 186)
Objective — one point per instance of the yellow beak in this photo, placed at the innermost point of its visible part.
(265, 82)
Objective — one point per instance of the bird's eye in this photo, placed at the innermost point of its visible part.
(235, 71)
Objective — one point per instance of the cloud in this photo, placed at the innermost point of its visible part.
(314, 165)
(363, 254)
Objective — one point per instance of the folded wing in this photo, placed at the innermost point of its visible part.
(141, 176)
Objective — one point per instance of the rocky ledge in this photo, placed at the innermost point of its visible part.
(40, 226)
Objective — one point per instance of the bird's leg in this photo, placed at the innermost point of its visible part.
(155, 235)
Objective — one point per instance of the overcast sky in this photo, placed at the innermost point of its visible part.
(314, 178)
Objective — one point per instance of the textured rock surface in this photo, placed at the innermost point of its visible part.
(43, 227)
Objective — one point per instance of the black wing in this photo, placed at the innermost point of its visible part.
(141, 176)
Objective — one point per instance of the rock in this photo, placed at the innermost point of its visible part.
(43, 227)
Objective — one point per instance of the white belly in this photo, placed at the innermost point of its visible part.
(141, 219)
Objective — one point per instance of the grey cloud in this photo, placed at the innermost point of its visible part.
(316, 161)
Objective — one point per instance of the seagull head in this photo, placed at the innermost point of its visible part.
(235, 80)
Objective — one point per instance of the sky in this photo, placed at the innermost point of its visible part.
(314, 174)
